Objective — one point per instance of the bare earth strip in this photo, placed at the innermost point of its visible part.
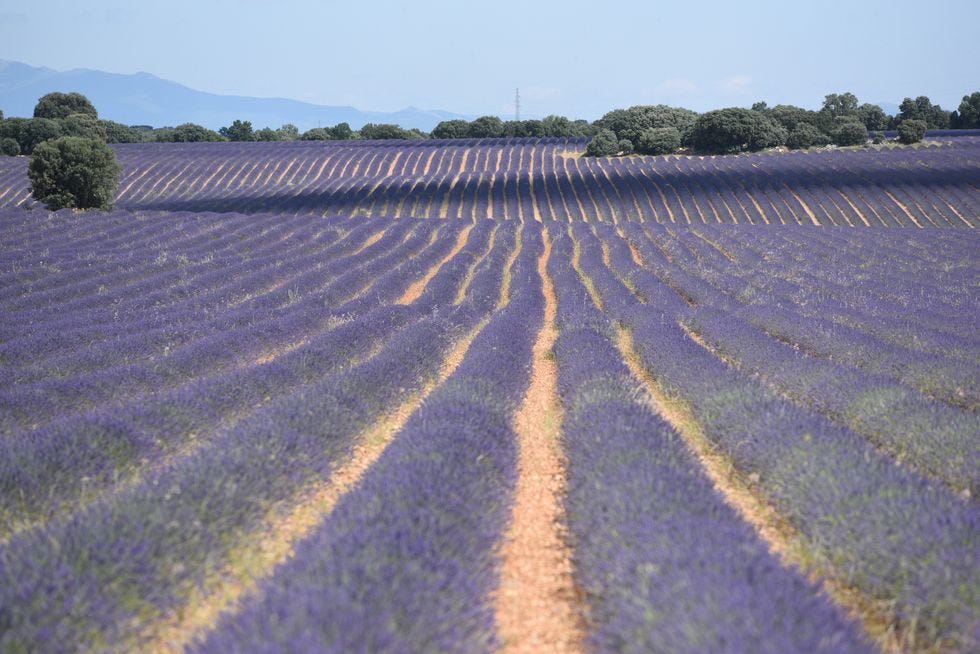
(634, 251)
(724, 251)
(377, 236)
(857, 211)
(538, 607)
(273, 544)
(903, 208)
(415, 290)
(125, 189)
(806, 208)
(779, 535)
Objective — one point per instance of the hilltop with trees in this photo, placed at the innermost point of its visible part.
(494, 127)
(642, 129)
(841, 120)
(71, 164)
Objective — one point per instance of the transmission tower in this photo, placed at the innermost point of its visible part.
(517, 104)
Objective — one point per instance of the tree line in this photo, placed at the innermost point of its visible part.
(72, 114)
(651, 129)
(841, 121)
(660, 129)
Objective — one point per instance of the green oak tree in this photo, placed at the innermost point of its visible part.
(603, 144)
(62, 105)
(912, 131)
(659, 140)
(934, 116)
(486, 127)
(239, 130)
(968, 113)
(451, 129)
(733, 130)
(72, 171)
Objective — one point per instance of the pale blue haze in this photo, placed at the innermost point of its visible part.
(575, 58)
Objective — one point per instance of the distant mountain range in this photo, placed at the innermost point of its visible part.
(144, 99)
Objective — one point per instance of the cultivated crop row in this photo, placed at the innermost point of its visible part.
(228, 432)
(544, 179)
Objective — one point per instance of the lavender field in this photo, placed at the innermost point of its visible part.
(287, 398)
(934, 184)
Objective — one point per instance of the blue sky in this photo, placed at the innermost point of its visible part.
(575, 58)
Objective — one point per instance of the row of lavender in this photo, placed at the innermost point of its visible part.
(120, 504)
(695, 577)
(890, 351)
(904, 535)
(407, 562)
(96, 404)
(547, 179)
(689, 576)
(211, 368)
(615, 478)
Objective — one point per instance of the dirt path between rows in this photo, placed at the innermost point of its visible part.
(415, 291)
(538, 606)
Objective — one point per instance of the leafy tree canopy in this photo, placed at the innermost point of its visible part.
(513, 128)
(36, 130)
(316, 134)
(266, 134)
(733, 130)
(561, 126)
(339, 132)
(632, 122)
(83, 125)
(659, 140)
(603, 144)
(532, 128)
(119, 133)
(486, 127)
(190, 133)
(287, 132)
(805, 135)
(839, 104)
(849, 132)
(873, 117)
(11, 129)
(239, 130)
(836, 106)
(934, 116)
(968, 114)
(492, 127)
(72, 171)
(451, 129)
(372, 131)
(911, 131)
(62, 105)
(9, 147)
(789, 116)
(342, 132)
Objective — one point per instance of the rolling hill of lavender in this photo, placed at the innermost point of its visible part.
(276, 400)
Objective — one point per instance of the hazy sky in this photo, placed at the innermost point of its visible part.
(577, 58)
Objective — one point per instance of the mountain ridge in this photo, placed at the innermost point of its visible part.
(143, 98)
